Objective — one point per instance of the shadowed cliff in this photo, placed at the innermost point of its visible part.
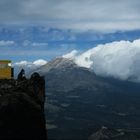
(22, 109)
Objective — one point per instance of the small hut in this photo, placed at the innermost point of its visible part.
(6, 70)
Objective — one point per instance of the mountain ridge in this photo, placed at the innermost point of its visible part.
(84, 101)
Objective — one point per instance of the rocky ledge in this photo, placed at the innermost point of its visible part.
(22, 109)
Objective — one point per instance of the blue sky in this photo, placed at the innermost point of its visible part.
(45, 29)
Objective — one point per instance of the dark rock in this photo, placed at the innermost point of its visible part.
(21, 111)
(115, 134)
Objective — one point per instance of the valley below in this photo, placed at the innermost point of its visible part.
(78, 116)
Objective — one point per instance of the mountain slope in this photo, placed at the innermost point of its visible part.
(80, 102)
(63, 74)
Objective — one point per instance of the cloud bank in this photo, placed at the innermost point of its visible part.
(100, 15)
(40, 62)
(28, 64)
(71, 54)
(120, 60)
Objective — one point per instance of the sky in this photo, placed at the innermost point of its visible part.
(31, 30)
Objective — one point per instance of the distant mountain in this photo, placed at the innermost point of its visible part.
(63, 74)
(58, 63)
(79, 102)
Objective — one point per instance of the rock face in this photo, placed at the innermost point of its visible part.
(21, 110)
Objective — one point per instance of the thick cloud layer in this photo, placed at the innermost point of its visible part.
(100, 15)
(117, 59)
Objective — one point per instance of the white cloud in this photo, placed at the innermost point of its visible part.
(40, 62)
(6, 43)
(100, 15)
(84, 60)
(72, 54)
(23, 63)
(28, 64)
(117, 59)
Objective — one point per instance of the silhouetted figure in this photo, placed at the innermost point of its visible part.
(21, 75)
(38, 86)
(35, 76)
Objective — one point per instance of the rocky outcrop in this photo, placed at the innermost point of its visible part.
(22, 109)
(115, 134)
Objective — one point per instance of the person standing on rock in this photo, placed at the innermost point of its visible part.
(21, 75)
